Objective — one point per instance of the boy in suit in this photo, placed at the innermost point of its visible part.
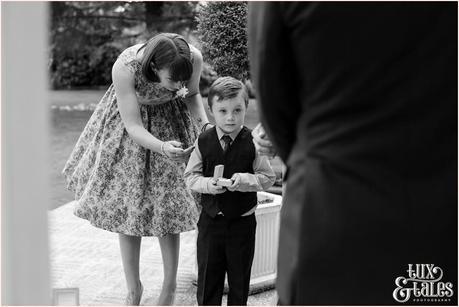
(226, 239)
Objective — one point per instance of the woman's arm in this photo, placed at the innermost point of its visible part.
(123, 80)
(194, 100)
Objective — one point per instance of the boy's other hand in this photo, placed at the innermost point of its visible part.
(236, 182)
(214, 188)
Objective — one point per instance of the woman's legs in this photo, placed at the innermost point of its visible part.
(170, 246)
(130, 255)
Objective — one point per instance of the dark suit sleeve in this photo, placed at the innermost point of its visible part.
(274, 74)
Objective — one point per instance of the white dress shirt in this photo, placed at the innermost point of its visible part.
(262, 178)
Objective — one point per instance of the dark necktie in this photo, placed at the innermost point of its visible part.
(226, 142)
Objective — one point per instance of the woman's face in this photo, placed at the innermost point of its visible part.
(166, 81)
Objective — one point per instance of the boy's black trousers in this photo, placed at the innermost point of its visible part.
(225, 245)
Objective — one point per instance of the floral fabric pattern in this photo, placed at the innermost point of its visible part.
(121, 186)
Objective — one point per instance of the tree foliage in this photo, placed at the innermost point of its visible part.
(222, 31)
(86, 37)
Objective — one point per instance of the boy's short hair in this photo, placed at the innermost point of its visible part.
(227, 88)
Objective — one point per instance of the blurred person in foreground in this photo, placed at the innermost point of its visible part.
(360, 102)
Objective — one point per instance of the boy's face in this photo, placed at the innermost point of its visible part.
(229, 114)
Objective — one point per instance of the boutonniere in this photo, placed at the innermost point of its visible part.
(182, 92)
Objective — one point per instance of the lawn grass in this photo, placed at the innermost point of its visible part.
(67, 125)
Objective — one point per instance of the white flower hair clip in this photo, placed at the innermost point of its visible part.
(182, 92)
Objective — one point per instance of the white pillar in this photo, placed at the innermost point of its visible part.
(24, 154)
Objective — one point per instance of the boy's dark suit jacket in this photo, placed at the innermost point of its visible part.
(360, 100)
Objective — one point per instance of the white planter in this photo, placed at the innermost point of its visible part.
(264, 267)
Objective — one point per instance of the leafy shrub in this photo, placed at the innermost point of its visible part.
(101, 63)
(70, 70)
(81, 52)
(90, 66)
(208, 76)
(222, 30)
(87, 36)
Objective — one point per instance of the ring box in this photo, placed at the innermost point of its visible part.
(218, 175)
(223, 182)
(218, 171)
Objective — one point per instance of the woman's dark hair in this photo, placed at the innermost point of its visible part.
(167, 50)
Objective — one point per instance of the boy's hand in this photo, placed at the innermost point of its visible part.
(236, 182)
(213, 187)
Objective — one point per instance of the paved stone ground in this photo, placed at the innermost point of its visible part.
(88, 258)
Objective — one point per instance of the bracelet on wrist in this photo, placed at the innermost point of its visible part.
(162, 149)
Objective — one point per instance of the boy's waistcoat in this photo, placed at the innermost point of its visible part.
(237, 159)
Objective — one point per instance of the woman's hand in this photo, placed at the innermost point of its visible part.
(262, 143)
(173, 150)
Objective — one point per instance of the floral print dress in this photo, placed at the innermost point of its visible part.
(123, 187)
